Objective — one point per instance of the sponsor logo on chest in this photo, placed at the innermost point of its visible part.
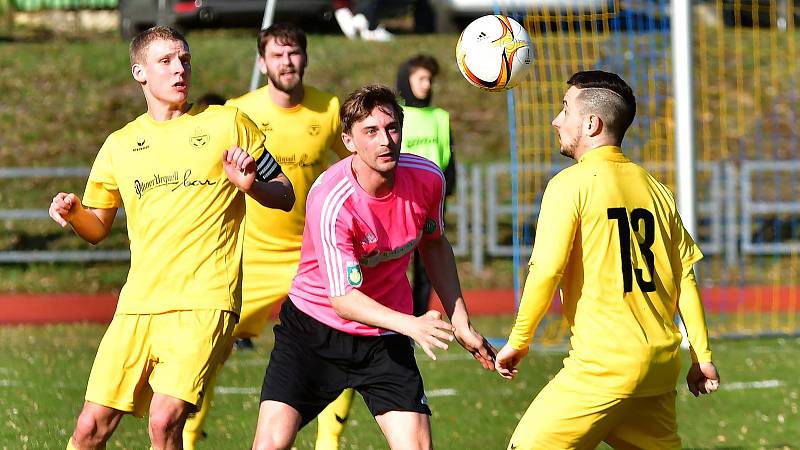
(173, 181)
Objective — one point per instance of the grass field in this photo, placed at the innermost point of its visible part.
(43, 373)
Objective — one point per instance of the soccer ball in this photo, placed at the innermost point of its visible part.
(494, 52)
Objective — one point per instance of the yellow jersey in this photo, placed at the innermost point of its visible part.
(184, 216)
(301, 140)
(611, 235)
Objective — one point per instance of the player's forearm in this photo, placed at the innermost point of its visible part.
(276, 193)
(540, 286)
(440, 265)
(691, 310)
(359, 307)
(88, 224)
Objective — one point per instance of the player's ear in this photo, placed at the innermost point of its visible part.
(349, 143)
(593, 125)
(138, 73)
(262, 65)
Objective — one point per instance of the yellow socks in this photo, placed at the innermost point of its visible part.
(330, 422)
(193, 430)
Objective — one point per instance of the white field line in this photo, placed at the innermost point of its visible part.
(238, 390)
(234, 390)
(446, 392)
(742, 385)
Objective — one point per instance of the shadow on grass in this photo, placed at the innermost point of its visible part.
(23, 241)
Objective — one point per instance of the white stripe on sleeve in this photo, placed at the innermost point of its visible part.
(333, 259)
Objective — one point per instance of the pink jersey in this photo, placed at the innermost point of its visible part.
(353, 240)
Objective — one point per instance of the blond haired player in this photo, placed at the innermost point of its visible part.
(613, 239)
(179, 171)
(303, 132)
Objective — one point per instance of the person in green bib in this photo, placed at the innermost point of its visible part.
(426, 133)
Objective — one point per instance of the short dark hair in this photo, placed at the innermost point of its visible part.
(211, 98)
(608, 96)
(283, 33)
(425, 62)
(143, 40)
(361, 102)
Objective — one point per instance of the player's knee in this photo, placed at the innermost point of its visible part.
(90, 432)
(272, 443)
(164, 425)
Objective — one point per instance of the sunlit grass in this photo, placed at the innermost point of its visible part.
(43, 371)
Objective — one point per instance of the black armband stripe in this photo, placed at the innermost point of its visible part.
(267, 168)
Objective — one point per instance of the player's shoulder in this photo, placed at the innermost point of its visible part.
(316, 99)
(137, 129)
(334, 175)
(214, 111)
(247, 98)
(419, 166)
(331, 186)
(570, 175)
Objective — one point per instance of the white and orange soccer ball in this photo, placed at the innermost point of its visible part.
(494, 53)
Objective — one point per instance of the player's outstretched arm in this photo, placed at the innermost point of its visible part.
(440, 265)
(702, 378)
(240, 168)
(91, 224)
(429, 330)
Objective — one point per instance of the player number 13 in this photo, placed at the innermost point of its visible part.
(638, 215)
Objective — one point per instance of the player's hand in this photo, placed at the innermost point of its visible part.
(429, 331)
(476, 345)
(64, 207)
(507, 360)
(240, 167)
(702, 378)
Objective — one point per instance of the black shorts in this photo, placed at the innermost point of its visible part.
(312, 363)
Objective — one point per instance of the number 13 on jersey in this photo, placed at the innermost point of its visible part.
(639, 216)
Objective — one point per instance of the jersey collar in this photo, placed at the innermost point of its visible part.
(604, 153)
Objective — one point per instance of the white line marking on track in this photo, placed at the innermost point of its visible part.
(227, 390)
(239, 390)
(447, 392)
(761, 384)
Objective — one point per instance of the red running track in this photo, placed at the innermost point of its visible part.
(65, 308)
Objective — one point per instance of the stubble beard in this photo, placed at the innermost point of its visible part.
(285, 87)
(568, 149)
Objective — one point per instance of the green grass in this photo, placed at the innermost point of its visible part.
(68, 96)
(43, 371)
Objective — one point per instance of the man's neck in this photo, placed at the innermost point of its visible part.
(287, 99)
(162, 112)
(596, 143)
(374, 183)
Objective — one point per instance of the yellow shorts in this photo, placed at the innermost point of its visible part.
(264, 284)
(562, 419)
(173, 353)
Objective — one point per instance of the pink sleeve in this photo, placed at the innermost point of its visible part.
(333, 244)
(434, 221)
